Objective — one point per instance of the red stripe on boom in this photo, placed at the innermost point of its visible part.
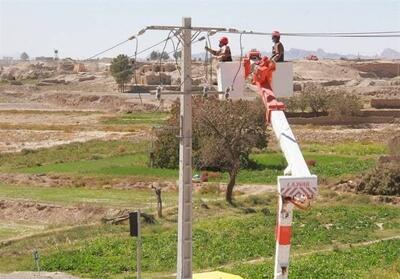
(283, 234)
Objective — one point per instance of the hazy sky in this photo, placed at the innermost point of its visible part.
(80, 28)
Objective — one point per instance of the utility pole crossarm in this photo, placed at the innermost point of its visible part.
(171, 27)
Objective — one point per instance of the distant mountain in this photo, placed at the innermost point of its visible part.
(296, 53)
(389, 53)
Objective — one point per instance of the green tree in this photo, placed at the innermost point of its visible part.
(121, 70)
(177, 55)
(156, 55)
(164, 55)
(24, 56)
(224, 134)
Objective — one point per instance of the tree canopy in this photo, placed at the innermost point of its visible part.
(121, 70)
(24, 56)
(224, 133)
(157, 55)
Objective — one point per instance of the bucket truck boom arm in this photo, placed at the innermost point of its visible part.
(297, 184)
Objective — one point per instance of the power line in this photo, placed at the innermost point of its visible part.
(346, 33)
(377, 34)
(343, 36)
(369, 34)
(108, 49)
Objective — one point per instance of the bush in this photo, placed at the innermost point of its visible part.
(384, 179)
(394, 146)
(342, 104)
(316, 97)
(166, 148)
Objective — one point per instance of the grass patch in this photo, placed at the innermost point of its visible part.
(150, 118)
(270, 165)
(348, 149)
(351, 263)
(102, 197)
(8, 230)
(218, 240)
(73, 152)
(132, 165)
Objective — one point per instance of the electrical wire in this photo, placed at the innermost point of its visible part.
(342, 36)
(162, 53)
(134, 66)
(175, 55)
(206, 65)
(370, 34)
(211, 58)
(195, 35)
(345, 33)
(150, 47)
(378, 34)
(240, 63)
(108, 49)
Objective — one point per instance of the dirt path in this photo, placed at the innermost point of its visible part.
(37, 275)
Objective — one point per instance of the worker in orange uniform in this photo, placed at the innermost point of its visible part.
(224, 52)
(278, 50)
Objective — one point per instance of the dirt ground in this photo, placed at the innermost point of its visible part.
(45, 214)
(34, 116)
(57, 180)
(378, 133)
(17, 140)
(37, 275)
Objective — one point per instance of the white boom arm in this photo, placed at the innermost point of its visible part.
(297, 183)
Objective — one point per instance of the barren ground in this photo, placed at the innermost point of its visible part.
(34, 117)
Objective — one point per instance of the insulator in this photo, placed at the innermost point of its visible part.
(205, 90)
(158, 92)
(227, 93)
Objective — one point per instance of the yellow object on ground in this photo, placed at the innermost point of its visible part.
(215, 275)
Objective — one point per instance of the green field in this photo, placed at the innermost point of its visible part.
(226, 238)
(331, 240)
(269, 166)
(379, 260)
(96, 197)
(149, 118)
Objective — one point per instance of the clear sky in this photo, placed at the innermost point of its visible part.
(80, 28)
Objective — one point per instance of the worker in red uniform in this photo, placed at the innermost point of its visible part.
(224, 52)
(277, 50)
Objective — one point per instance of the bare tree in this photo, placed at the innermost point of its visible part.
(224, 132)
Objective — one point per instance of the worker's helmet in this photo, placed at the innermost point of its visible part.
(276, 34)
(223, 41)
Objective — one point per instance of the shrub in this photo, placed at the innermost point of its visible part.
(316, 98)
(384, 179)
(166, 148)
(342, 104)
(394, 146)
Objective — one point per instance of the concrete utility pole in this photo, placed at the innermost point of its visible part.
(184, 259)
(184, 34)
